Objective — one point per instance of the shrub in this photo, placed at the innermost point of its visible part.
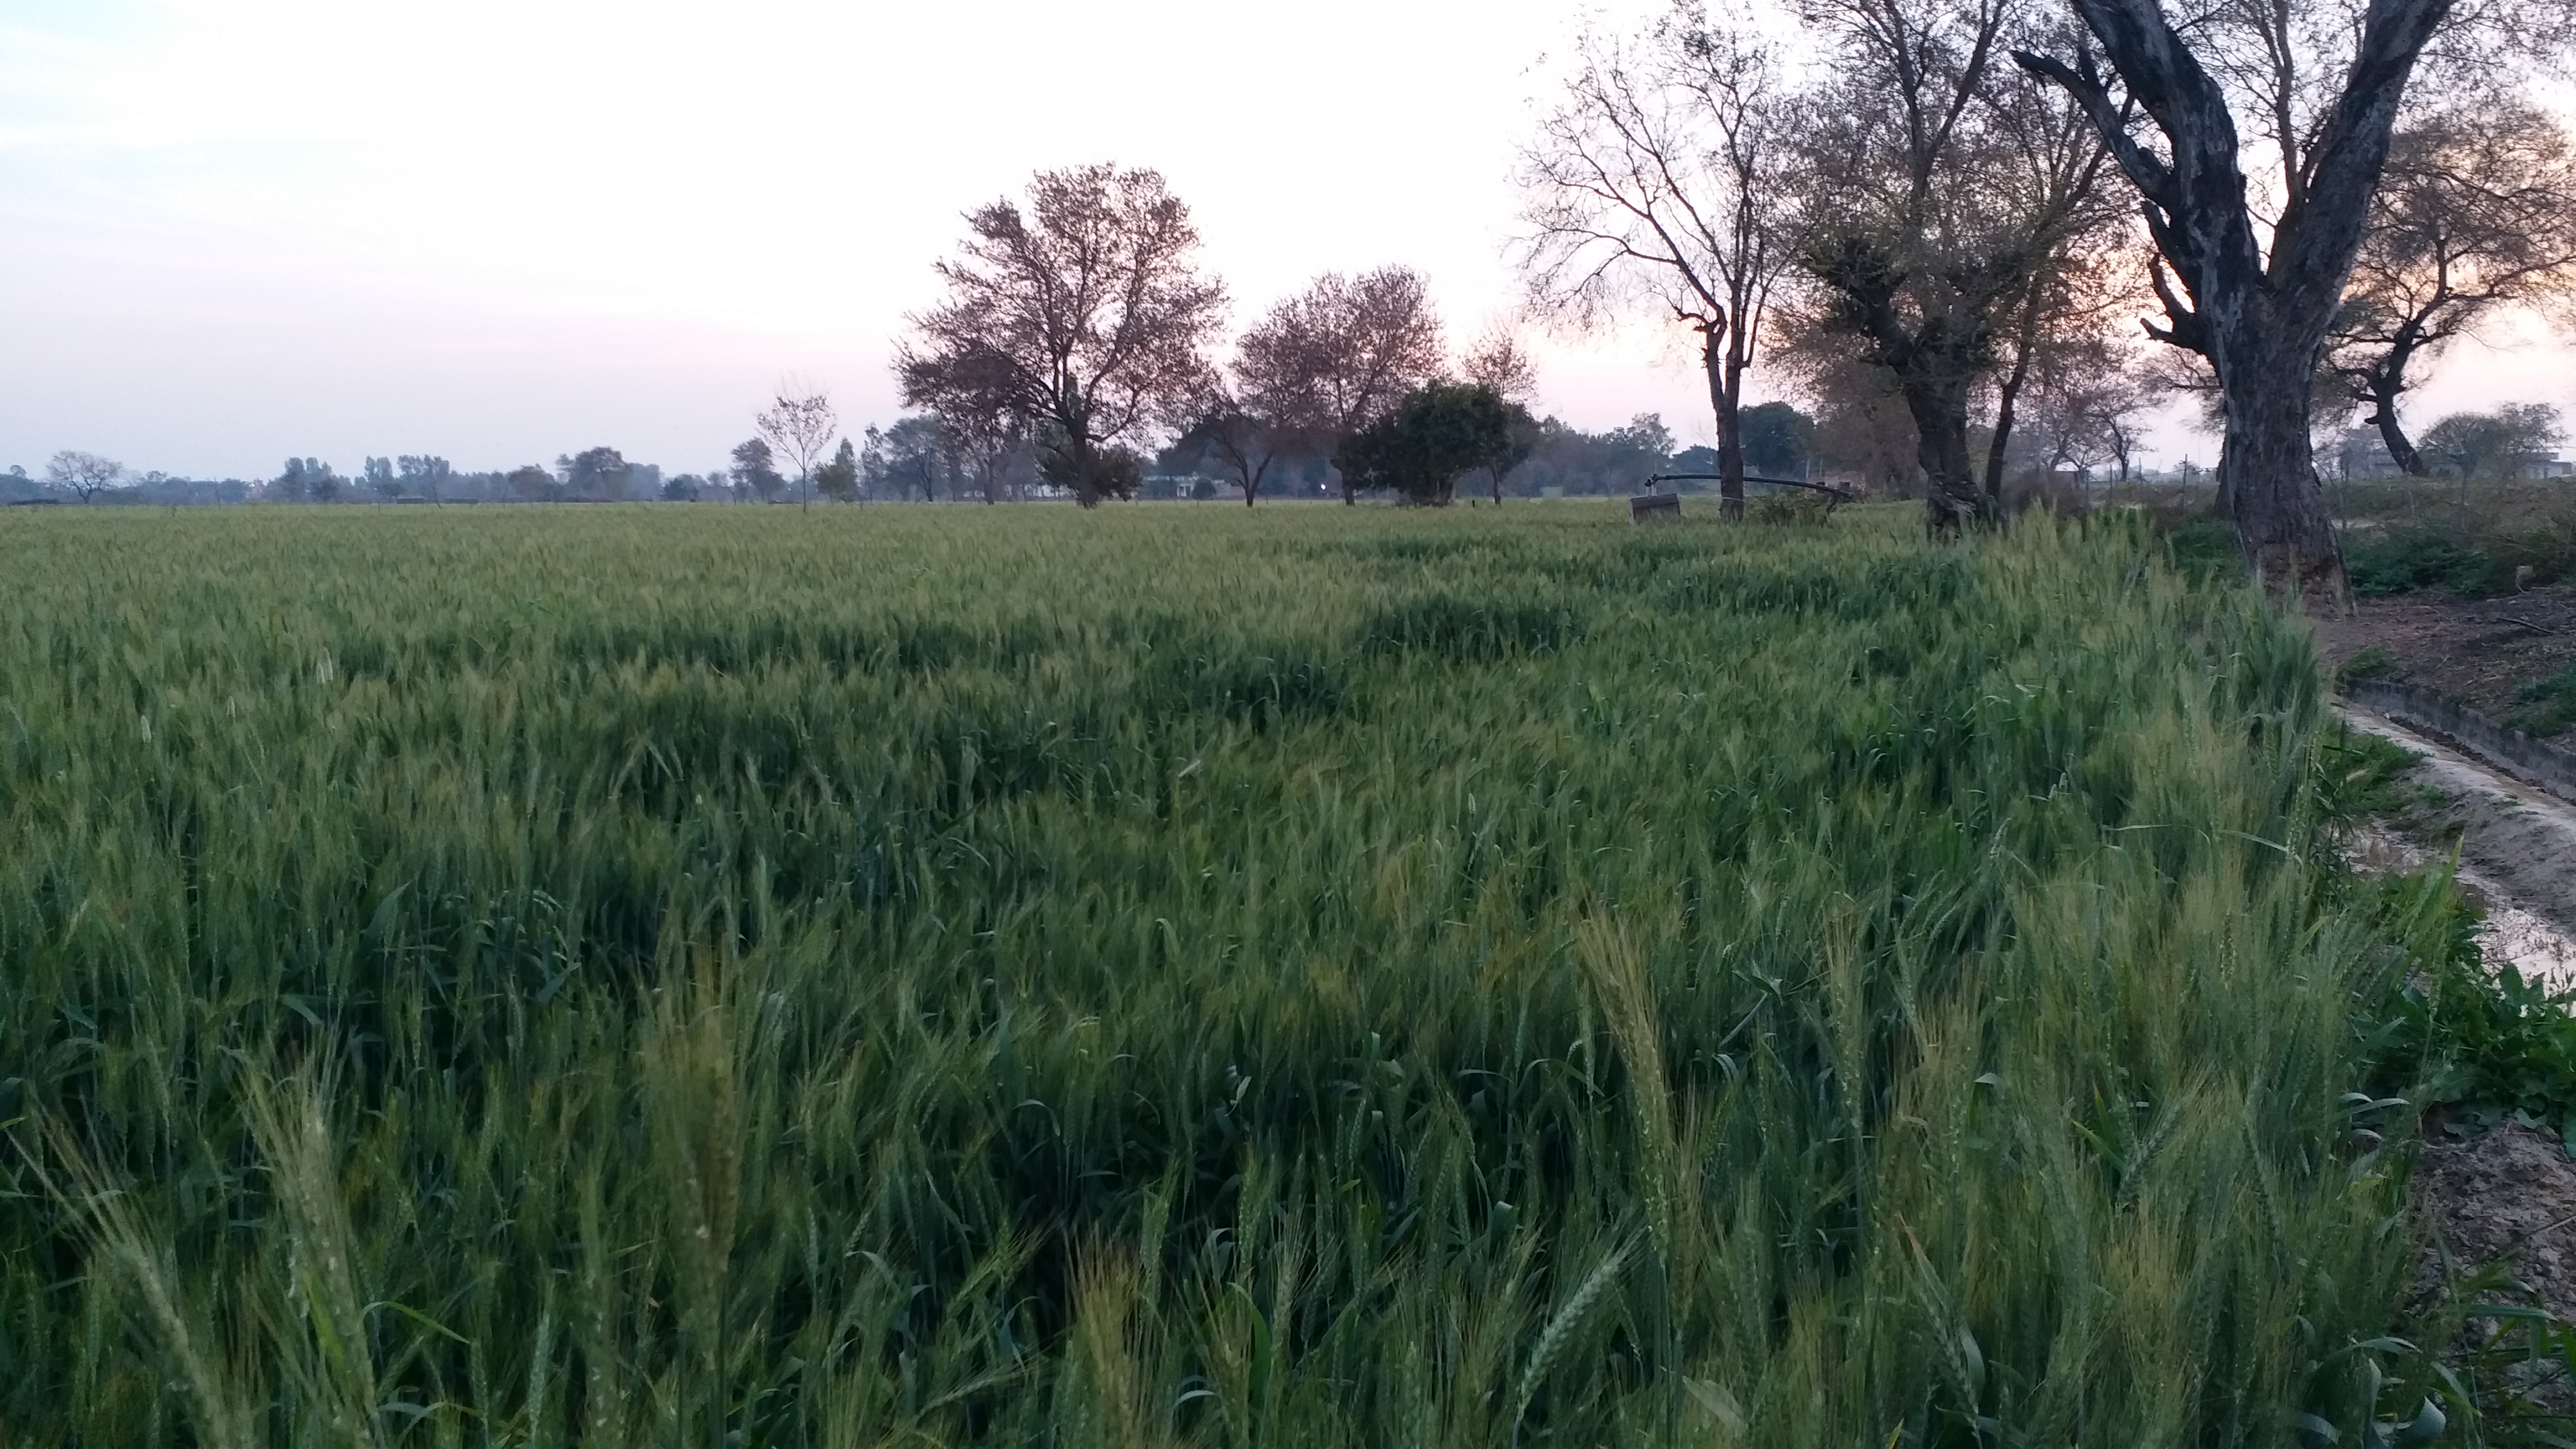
(2373, 662)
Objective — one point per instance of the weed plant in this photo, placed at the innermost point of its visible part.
(2546, 705)
(2475, 539)
(710, 977)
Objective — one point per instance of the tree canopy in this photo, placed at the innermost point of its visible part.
(1436, 435)
(1082, 314)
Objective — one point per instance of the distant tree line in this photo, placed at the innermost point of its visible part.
(1938, 232)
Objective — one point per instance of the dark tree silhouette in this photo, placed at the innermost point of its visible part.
(755, 471)
(2251, 278)
(85, 475)
(1083, 317)
(1948, 200)
(2477, 214)
(1338, 356)
(1438, 434)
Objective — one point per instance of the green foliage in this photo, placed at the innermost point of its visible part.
(2402, 560)
(2504, 1045)
(2204, 547)
(1794, 507)
(1245, 977)
(1778, 438)
(838, 479)
(1440, 432)
(2372, 662)
(2361, 774)
(1090, 472)
(2544, 706)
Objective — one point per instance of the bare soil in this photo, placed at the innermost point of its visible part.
(2474, 651)
(2506, 1193)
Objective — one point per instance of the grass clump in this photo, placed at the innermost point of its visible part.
(2475, 539)
(2544, 706)
(624, 976)
(2372, 662)
(2407, 559)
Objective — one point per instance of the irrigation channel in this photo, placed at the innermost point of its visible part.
(2517, 851)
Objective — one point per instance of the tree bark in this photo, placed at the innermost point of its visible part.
(2267, 476)
(1952, 498)
(2392, 436)
(2381, 386)
(1725, 399)
(2008, 399)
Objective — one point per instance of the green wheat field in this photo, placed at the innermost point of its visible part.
(1315, 976)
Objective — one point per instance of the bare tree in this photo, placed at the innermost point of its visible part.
(2261, 261)
(1657, 180)
(1497, 360)
(1341, 354)
(1240, 437)
(83, 475)
(1085, 315)
(2086, 393)
(1948, 202)
(2476, 215)
(972, 391)
(801, 425)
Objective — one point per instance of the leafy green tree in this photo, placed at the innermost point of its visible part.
(308, 480)
(596, 474)
(426, 476)
(917, 452)
(1778, 439)
(755, 473)
(838, 479)
(1091, 473)
(2496, 444)
(1438, 434)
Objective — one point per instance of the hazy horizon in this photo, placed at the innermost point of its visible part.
(231, 233)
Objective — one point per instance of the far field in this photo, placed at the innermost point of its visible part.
(697, 976)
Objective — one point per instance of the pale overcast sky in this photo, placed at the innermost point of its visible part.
(499, 230)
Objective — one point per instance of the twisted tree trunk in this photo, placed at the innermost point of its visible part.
(1952, 497)
(2259, 314)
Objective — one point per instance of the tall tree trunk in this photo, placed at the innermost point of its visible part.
(2383, 384)
(2267, 473)
(1725, 399)
(2008, 399)
(1951, 496)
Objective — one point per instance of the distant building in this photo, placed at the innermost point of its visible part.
(2360, 453)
